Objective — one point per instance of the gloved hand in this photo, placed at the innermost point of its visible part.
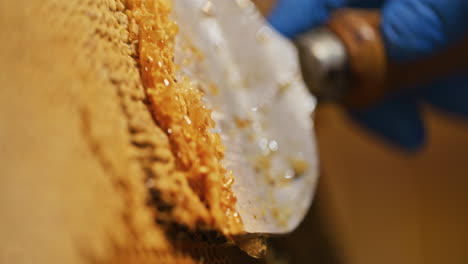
(411, 29)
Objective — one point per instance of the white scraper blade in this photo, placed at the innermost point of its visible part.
(261, 106)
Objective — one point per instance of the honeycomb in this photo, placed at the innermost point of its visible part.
(90, 172)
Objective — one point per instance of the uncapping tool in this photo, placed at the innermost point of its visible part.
(345, 61)
(264, 109)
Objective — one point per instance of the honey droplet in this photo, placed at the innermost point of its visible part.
(273, 145)
(229, 182)
(289, 174)
(203, 170)
(208, 8)
(187, 119)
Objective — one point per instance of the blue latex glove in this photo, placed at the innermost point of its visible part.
(411, 29)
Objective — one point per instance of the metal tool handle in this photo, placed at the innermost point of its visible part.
(369, 73)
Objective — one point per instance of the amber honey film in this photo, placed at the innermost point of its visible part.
(178, 109)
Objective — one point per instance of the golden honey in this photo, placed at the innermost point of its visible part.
(178, 109)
